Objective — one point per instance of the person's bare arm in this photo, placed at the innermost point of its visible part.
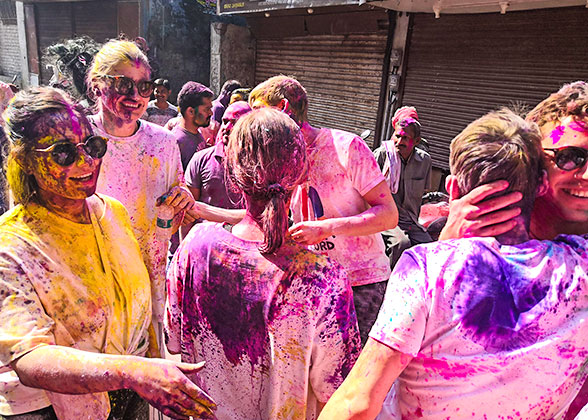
(382, 215)
(160, 382)
(195, 193)
(363, 392)
(216, 214)
(475, 214)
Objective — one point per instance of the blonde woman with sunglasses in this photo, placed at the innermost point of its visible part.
(142, 163)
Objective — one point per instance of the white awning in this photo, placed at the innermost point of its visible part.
(473, 6)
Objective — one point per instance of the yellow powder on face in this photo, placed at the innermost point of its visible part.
(46, 140)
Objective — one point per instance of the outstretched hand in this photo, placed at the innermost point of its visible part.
(164, 385)
(475, 214)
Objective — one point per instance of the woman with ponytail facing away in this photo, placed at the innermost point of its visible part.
(274, 321)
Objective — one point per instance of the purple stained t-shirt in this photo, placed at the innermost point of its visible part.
(278, 332)
(496, 331)
(189, 143)
(218, 110)
(207, 173)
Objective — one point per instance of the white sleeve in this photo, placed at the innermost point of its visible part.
(403, 315)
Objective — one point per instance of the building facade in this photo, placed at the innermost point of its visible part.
(360, 62)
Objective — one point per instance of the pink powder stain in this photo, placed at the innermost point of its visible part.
(557, 133)
(579, 126)
(75, 122)
(450, 370)
(568, 352)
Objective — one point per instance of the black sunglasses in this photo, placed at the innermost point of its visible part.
(65, 153)
(569, 158)
(124, 85)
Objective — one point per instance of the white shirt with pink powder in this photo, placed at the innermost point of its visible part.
(496, 331)
(137, 170)
(342, 169)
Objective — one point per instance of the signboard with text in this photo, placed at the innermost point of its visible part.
(248, 6)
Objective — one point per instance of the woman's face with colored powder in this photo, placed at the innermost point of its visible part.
(130, 107)
(56, 182)
(568, 190)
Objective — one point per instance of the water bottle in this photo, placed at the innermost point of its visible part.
(165, 218)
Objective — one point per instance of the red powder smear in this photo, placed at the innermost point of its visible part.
(556, 133)
(404, 113)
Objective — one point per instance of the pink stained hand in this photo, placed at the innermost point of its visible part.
(309, 233)
(479, 214)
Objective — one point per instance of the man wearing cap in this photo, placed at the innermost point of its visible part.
(407, 169)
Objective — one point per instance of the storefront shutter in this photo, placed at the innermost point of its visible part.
(64, 20)
(461, 66)
(341, 73)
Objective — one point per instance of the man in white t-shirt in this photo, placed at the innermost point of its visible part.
(480, 327)
(159, 111)
(345, 203)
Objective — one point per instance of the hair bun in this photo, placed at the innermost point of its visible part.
(276, 190)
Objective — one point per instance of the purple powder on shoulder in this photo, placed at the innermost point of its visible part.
(490, 301)
(234, 309)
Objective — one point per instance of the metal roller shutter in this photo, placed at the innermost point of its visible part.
(461, 66)
(60, 21)
(341, 73)
(96, 19)
(54, 23)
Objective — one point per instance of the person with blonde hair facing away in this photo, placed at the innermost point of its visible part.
(142, 167)
(486, 211)
(274, 321)
(480, 327)
(75, 302)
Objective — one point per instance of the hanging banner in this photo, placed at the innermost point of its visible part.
(248, 6)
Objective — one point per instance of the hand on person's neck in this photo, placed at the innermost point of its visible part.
(116, 126)
(516, 235)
